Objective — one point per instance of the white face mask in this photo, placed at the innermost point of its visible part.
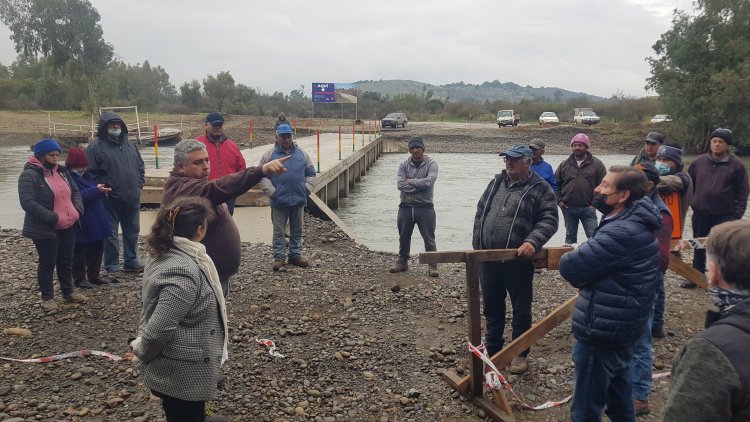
(114, 132)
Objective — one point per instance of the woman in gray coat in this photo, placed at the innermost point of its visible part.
(182, 337)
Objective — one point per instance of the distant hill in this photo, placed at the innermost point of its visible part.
(463, 92)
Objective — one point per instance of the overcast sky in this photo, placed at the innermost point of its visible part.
(593, 46)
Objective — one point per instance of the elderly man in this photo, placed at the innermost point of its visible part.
(222, 151)
(647, 155)
(616, 272)
(516, 211)
(539, 166)
(711, 374)
(720, 189)
(576, 179)
(115, 162)
(416, 181)
(288, 193)
(189, 177)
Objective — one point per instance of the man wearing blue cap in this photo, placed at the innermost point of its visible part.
(223, 153)
(288, 192)
(518, 210)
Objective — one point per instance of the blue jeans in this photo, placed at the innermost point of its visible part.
(571, 215)
(279, 217)
(603, 384)
(659, 305)
(643, 356)
(125, 216)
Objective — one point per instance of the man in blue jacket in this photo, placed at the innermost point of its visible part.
(288, 192)
(539, 166)
(616, 272)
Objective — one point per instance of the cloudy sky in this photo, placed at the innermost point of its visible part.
(594, 46)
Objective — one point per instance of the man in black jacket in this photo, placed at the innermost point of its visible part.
(711, 374)
(516, 211)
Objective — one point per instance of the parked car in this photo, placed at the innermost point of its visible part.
(661, 118)
(394, 120)
(548, 118)
(507, 118)
(585, 117)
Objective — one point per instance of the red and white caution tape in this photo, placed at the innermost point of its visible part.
(684, 244)
(496, 381)
(271, 347)
(79, 353)
(657, 375)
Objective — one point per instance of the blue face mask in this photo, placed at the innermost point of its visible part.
(662, 168)
(114, 132)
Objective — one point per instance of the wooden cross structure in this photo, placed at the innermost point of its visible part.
(472, 384)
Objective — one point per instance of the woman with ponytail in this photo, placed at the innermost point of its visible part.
(182, 337)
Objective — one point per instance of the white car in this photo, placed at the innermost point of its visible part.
(661, 118)
(548, 118)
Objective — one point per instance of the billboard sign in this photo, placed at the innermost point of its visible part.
(323, 92)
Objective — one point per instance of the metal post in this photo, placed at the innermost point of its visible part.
(318, 150)
(156, 144)
(339, 142)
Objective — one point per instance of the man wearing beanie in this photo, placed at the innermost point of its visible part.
(720, 189)
(223, 153)
(416, 181)
(576, 179)
(116, 163)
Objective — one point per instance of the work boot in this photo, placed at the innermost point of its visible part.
(641, 407)
(399, 266)
(299, 262)
(49, 306)
(83, 284)
(519, 365)
(100, 281)
(658, 331)
(76, 297)
(137, 269)
(688, 285)
(113, 276)
(433, 271)
(278, 265)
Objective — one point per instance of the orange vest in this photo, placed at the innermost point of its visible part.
(672, 200)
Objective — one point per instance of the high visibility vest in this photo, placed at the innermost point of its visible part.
(672, 200)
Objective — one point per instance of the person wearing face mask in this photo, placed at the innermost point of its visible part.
(675, 185)
(617, 273)
(647, 154)
(711, 373)
(115, 162)
(224, 154)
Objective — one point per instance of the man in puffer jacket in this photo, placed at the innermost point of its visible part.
(616, 272)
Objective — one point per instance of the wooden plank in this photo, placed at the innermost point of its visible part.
(501, 402)
(686, 270)
(536, 332)
(493, 411)
(442, 257)
(474, 316)
(332, 215)
(554, 255)
(453, 380)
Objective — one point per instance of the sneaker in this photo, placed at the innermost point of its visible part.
(137, 269)
(432, 270)
(278, 265)
(83, 284)
(49, 306)
(519, 365)
(113, 276)
(688, 285)
(658, 332)
(399, 266)
(641, 407)
(76, 297)
(299, 262)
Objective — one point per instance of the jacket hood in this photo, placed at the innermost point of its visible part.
(104, 119)
(643, 211)
(34, 163)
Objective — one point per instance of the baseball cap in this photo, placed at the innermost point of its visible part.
(537, 144)
(517, 151)
(284, 129)
(214, 118)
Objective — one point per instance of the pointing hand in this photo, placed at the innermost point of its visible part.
(276, 166)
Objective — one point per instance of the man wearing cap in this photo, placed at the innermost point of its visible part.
(288, 192)
(576, 179)
(647, 155)
(416, 181)
(224, 154)
(720, 189)
(116, 163)
(539, 166)
(516, 211)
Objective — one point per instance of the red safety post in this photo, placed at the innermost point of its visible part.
(339, 142)
(318, 150)
(251, 133)
(156, 144)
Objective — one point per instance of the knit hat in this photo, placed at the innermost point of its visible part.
(652, 175)
(724, 134)
(670, 153)
(655, 137)
(76, 158)
(44, 146)
(581, 138)
(415, 142)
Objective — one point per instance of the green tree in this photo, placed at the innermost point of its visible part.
(219, 88)
(702, 69)
(190, 94)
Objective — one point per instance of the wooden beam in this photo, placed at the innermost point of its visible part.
(442, 257)
(686, 270)
(474, 316)
(493, 411)
(549, 257)
(554, 255)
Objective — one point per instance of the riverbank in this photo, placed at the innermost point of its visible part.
(359, 343)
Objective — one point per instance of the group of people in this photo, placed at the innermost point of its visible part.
(619, 271)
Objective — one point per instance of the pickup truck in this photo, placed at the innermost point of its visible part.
(394, 120)
(585, 116)
(507, 118)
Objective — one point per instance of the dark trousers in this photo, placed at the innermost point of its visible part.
(55, 253)
(702, 224)
(501, 279)
(603, 384)
(424, 218)
(87, 260)
(230, 205)
(177, 410)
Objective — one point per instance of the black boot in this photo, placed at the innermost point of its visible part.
(83, 284)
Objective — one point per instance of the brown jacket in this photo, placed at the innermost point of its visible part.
(576, 184)
(720, 187)
(222, 237)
